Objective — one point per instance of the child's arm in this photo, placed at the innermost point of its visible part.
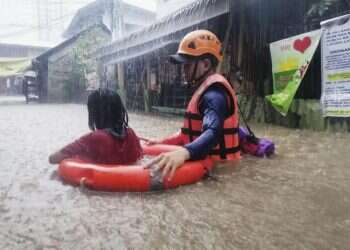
(174, 139)
(81, 148)
(57, 157)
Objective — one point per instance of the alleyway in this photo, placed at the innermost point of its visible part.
(299, 199)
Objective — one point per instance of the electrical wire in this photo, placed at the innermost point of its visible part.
(53, 22)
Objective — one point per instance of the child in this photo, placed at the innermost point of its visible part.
(111, 140)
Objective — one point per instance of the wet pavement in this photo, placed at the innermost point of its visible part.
(299, 199)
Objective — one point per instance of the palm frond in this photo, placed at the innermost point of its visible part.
(321, 8)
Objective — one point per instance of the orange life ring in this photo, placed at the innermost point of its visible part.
(131, 178)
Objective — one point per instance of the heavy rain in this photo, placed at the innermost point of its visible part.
(54, 54)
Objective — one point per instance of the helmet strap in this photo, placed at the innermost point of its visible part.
(194, 72)
(193, 79)
(200, 78)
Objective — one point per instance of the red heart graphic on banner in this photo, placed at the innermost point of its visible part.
(302, 45)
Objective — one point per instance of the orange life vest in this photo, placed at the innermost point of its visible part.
(228, 146)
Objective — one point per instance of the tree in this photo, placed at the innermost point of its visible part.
(322, 8)
(81, 62)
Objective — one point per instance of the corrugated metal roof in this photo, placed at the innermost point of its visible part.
(65, 43)
(127, 54)
(18, 50)
(48, 53)
(162, 32)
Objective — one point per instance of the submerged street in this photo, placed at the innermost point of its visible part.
(283, 63)
(299, 199)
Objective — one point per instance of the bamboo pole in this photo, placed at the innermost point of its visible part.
(227, 36)
(146, 81)
(348, 2)
(121, 81)
(241, 35)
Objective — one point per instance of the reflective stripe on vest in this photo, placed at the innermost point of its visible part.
(228, 146)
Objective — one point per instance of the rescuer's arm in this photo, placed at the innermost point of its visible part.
(214, 107)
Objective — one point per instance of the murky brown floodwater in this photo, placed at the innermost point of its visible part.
(299, 199)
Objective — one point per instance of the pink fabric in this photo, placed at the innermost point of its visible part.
(175, 139)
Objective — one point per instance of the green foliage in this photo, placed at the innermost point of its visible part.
(322, 7)
(74, 86)
(81, 63)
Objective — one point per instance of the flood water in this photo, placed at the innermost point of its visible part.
(298, 199)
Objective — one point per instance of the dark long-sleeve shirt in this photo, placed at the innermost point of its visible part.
(214, 107)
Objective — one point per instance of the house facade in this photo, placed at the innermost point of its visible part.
(69, 70)
(246, 29)
(66, 71)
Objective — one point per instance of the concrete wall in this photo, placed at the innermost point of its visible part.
(303, 114)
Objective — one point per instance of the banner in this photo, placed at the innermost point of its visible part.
(335, 99)
(13, 66)
(290, 60)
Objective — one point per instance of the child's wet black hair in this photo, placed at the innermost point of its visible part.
(106, 111)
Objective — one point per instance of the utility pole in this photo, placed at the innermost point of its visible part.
(117, 33)
(47, 33)
(43, 19)
(61, 16)
(117, 20)
(38, 19)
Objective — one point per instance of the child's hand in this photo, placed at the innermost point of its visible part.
(57, 157)
(152, 142)
(149, 142)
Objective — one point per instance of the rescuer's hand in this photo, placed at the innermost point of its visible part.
(169, 162)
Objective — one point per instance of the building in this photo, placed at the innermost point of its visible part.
(20, 51)
(11, 84)
(66, 71)
(119, 17)
(147, 77)
(246, 29)
(69, 70)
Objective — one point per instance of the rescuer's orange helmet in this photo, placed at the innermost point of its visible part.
(197, 44)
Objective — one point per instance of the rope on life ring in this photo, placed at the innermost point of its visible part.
(82, 183)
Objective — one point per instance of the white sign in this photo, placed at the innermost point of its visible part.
(335, 99)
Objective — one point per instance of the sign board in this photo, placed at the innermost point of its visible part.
(291, 58)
